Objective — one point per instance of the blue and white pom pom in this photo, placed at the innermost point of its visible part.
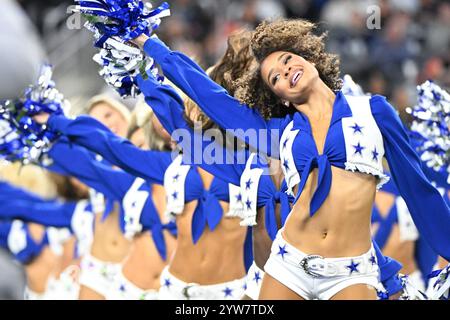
(440, 285)
(22, 138)
(114, 23)
(429, 131)
(124, 19)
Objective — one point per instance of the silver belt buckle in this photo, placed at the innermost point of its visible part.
(305, 266)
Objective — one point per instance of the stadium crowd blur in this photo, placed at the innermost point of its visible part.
(411, 45)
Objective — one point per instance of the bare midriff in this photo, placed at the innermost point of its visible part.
(402, 251)
(144, 265)
(217, 257)
(341, 226)
(45, 264)
(262, 242)
(109, 243)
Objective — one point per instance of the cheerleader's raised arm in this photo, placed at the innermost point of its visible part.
(91, 134)
(169, 109)
(214, 100)
(428, 209)
(113, 183)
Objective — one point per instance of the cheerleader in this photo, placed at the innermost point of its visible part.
(47, 224)
(333, 172)
(208, 262)
(109, 246)
(256, 180)
(139, 219)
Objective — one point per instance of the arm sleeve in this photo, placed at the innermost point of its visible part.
(91, 134)
(9, 191)
(214, 100)
(427, 207)
(51, 214)
(198, 147)
(111, 182)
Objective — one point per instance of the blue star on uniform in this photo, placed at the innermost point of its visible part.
(359, 148)
(373, 260)
(248, 184)
(167, 283)
(286, 164)
(356, 128)
(228, 292)
(122, 288)
(175, 195)
(175, 177)
(239, 198)
(248, 203)
(257, 277)
(285, 143)
(353, 267)
(244, 286)
(375, 154)
(282, 251)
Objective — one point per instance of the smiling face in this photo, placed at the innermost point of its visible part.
(110, 117)
(289, 76)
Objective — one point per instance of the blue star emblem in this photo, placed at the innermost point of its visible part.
(167, 283)
(356, 128)
(239, 198)
(244, 286)
(282, 251)
(286, 164)
(353, 267)
(248, 184)
(228, 292)
(359, 148)
(248, 203)
(285, 143)
(257, 277)
(175, 177)
(122, 288)
(175, 195)
(373, 260)
(375, 154)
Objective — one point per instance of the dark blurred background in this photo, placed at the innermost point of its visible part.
(411, 45)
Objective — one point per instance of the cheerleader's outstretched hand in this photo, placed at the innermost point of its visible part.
(41, 118)
(140, 40)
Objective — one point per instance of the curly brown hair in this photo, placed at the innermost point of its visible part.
(233, 65)
(296, 36)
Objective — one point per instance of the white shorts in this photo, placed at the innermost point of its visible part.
(124, 289)
(32, 295)
(98, 275)
(314, 277)
(174, 289)
(253, 281)
(66, 286)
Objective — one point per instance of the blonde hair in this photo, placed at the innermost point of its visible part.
(29, 177)
(113, 103)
